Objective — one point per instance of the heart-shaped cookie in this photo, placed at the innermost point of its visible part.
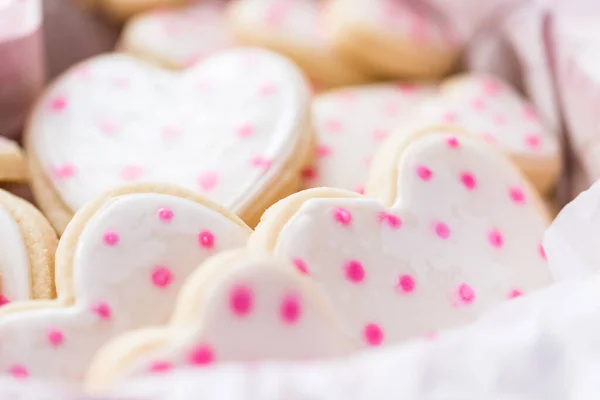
(350, 125)
(489, 108)
(453, 229)
(27, 258)
(119, 266)
(294, 28)
(234, 128)
(238, 306)
(178, 37)
(391, 38)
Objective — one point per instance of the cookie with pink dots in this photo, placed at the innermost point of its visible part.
(390, 38)
(234, 128)
(351, 124)
(27, 258)
(448, 228)
(487, 107)
(238, 306)
(178, 37)
(119, 266)
(294, 28)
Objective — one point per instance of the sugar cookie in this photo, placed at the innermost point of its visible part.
(350, 125)
(119, 266)
(13, 166)
(234, 128)
(27, 258)
(178, 37)
(453, 229)
(238, 306)
(487, 107)
(294, 28)
(391, 39)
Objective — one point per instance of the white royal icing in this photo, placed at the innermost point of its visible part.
(14, 261)
(129, 262)
(463, 234)
(224, 128)
(180, 36)
(350, 125)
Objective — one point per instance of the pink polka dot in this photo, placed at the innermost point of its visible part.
(515, 293)
(301, 265)
(241, 300)
(424, 173)
(431, 336)
(323, 150)
(354, 271)
(162, 276)
(478, 104)
(275, 15)
(3, 300)
(55, 337)
(533, 141)
(261, 162)
(290, 309)
(488, 137)
(406, 283)
(466, 294)
(108, 128)
(530, 113)
(18, 372)
(201, 355)
(468, 180)
(64, 171)
(333, 125)
(452, 142)
(406, 87)
(193, 59)
(542, 252)
(491, 87)
(58, 104)
(308, 173)
(208, 180)
(165, 214)
(517, 195)
(360, 190)
(111, 239)
(102, 310)
(441, 230)
(495, 238)
(391, 220)
(245, 130)
(268, 89)
(450, 117)
(380, 135)
(342, 216)
(158, 367)
(131, 173)
(373, 335)
(206, 239)
(499, 119)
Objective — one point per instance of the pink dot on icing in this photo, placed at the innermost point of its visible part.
(530, 113)
(162, 276)
(290, 309)
(542, 252)
(515, 293)
(478, 104)
(165, 214)
(391, 220)
(495, 238)
(201, 355)
(333, 125)
(342, 216)
(261, 162)
(491, 87)
(449, 117)
(380, 134)
(102, 310)
(309, 173)
(241, 300)
(360, 190)
(323, 150)
(354, 271)
(111, 239)
(131, 173)
(4, 300)
(301, 265)
(108, 127)
(158, 367)
(268, 89)
(373, 334)
(58, 104)
(206, 239)
(424, 173)
(517, 195)
(208, 180)
(500, 119)
(64, 171)
(466, 294)
(452, 142)
(18, 372)
(406, 283)
(488, 137)
(245, 130)
(468, 180)
(55, 337)
(533, 141)
(441, 230)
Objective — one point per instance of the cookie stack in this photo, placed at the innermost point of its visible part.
(266, 180)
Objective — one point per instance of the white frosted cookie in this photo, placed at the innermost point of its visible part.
(294, 28)
(234, 128)
(178, 37)
(239, 306)
(491, 109)
(451, 228)
(391, 38)
(119, 266)
(350, 125)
